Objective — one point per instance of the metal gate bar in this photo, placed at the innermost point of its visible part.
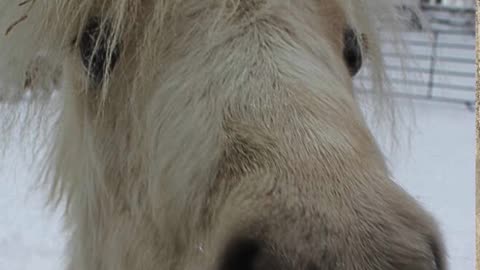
(446, 78)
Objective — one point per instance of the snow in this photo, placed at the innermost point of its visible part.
(439, 172)
(30, 235)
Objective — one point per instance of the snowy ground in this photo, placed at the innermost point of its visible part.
(440, 172)
(30, 235)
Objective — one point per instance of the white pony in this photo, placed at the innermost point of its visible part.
(216, 134)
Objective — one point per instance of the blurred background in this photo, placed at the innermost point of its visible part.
(435, 85)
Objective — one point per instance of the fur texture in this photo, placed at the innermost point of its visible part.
(222, 120)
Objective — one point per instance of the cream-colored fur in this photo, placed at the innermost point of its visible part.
(223, 120)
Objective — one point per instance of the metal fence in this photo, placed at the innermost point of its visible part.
(440, 65)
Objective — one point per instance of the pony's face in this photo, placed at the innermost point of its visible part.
(202, 118)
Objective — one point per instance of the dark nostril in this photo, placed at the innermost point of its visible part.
(241, 254)
(95, 49)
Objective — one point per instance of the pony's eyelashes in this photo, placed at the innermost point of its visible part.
(352, 52)
(96, 51)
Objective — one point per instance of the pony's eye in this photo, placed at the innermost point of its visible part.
(94, 49)
(352, 52)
